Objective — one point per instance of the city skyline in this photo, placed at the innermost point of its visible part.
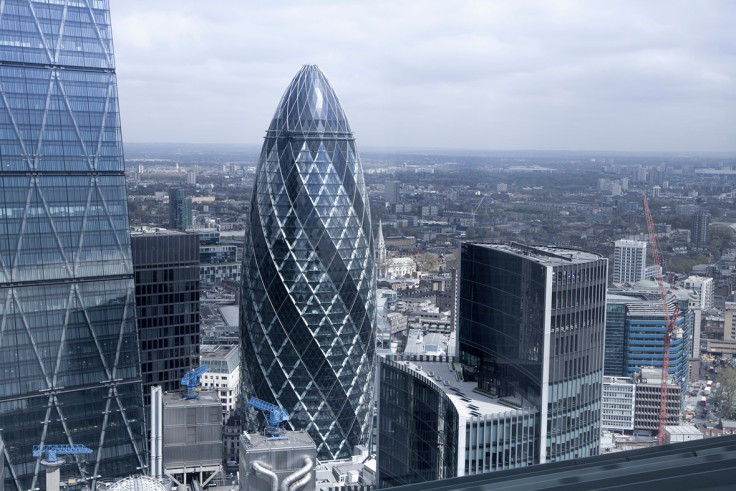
(478, 75)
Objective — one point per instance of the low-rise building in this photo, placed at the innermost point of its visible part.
(400, 267)
(397, 322)
(647, 402)
(724, 427)
(683, 433)
(218, 273)
(618, 404)
(224, 374)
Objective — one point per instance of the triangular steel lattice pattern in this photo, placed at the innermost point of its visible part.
(68, 344)
(308, 293)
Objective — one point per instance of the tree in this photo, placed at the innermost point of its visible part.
(430, 262)
(725, 394)
(719, 238)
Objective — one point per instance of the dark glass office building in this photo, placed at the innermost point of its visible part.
(308, 288)
(166, 265)
(68, 343)
(531, 325)
(433, 424)
(615, 339)
(418, 427)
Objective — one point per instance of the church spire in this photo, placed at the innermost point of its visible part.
(381, 252)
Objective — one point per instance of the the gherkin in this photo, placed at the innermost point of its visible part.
(308, 291)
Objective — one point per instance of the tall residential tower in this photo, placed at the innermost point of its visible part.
(308, 289)
(629, 261)
(68, 342)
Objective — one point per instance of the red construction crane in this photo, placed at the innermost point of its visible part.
(670, 323)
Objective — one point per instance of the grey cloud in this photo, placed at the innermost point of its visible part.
(476, 74)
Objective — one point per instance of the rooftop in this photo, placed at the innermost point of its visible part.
(630, 242)
(147, 231)
(206, 398)
(229, 314)
(617, 380)
(309, 106)
(216, 351)
(653, 376)
(431, 344)
(220, 358)
(294, 439)
(468, 403)
(551, 256)
(683, 430)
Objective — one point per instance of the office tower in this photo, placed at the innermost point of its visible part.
(635, 329)
(647, 403)
(699, 230)
(166, 265)
(391, 192)
(308, 289)
(433, 425)
(68, 342)
(629, 261)
(180, 210)
(531, 325)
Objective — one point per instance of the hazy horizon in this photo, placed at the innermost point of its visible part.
(463, 151)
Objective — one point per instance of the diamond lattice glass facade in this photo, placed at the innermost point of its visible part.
(308, 289)
(68, 344)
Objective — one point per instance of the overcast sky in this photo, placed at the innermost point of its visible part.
(497, 75)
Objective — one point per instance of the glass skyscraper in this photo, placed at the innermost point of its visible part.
(531, 324)
(308, 289)
(166, 266)
(68, 344)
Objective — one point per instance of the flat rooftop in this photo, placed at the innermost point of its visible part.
(216, 350)
(294, 439)
(683, 430)
(206, 398)
(230, 314)
(552, 256)
(137, 232)
(468, 403)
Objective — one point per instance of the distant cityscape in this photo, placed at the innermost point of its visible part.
(426, 206)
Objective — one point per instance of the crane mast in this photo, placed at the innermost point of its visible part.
(670, 323)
